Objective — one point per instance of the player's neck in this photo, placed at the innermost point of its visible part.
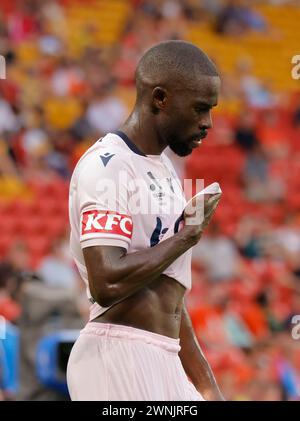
(141, 131)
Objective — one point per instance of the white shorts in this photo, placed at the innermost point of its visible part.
(120, 363)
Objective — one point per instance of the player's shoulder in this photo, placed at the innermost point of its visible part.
(108, 154)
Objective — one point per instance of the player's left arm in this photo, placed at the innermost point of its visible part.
(194, 361)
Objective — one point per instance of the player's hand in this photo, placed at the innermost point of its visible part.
(199, 220)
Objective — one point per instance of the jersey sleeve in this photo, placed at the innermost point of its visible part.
(102, 199)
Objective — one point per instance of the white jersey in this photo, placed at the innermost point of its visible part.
(122, 197)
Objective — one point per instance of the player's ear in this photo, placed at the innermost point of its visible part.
(159, 99)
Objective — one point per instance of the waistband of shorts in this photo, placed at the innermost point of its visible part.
(132, 333)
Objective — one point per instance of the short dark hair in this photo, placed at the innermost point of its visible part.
(173, 62)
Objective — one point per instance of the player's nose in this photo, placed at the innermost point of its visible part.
(206, 122)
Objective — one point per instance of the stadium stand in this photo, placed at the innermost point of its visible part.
(70, 78)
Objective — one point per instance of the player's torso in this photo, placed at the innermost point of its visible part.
(156, 307)
(157, 203)
(153, 194)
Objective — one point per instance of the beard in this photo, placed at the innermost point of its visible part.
(179, 146)
(180, 149)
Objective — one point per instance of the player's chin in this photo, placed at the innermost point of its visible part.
(182, 149)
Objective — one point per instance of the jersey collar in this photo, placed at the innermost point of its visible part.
(129, 142)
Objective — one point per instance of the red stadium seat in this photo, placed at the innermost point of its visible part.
(5, 243)
(38, 244)
(56, 226)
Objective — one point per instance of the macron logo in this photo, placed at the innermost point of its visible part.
(106, 158)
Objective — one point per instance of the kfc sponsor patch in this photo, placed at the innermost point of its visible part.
(106, 222)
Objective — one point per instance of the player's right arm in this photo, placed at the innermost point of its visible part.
(114, 275)
(105, 236)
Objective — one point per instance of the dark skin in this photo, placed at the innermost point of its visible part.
(134, 284)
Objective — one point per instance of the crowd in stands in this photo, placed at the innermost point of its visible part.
(69, 80)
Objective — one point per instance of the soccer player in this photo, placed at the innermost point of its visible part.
(135, 259)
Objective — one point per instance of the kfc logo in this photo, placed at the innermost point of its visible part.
(106, 222)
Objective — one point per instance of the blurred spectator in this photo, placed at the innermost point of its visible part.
(237, 17)
(256, 175)
(7, 165)
(273, 135)
(296, 115)
(9, 308)
(67, 79)
(257, 92)
(57, 268)
(8, 120)
(245, 132)
(45, 309)
(19, 256)
(23, 21)
(217, 248)
(250, 235)
(105, 112)
(295, 126)
(259, 185)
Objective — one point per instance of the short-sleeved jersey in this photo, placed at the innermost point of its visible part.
(122, 197)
